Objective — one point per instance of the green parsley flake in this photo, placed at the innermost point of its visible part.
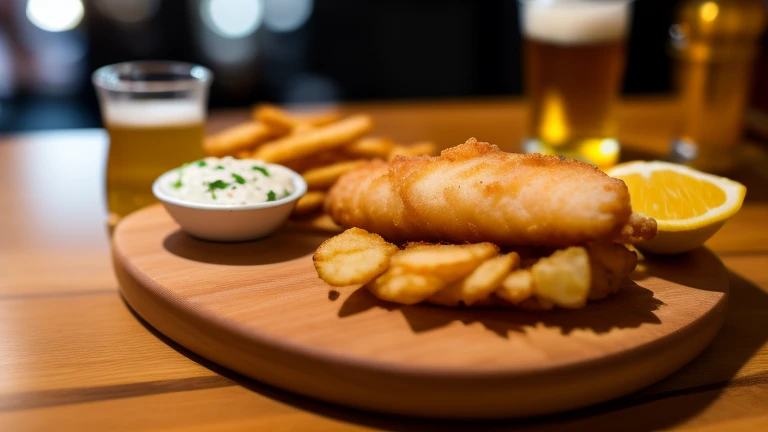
(219, 167)
(238, 178)
(218, 184)
(201, 163)
(261, 169)
(285, 194)
(271, 195)
(178, 184)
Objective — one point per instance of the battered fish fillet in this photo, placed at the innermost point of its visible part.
(475, 192)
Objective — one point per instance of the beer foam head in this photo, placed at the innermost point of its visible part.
(575, 22)
(153, 112)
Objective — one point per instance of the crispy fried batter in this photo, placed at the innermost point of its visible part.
(639, 227)
(475, 192)
(610, 264)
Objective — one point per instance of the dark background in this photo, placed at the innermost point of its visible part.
(345, 50)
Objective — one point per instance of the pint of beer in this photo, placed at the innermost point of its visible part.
(574, 63)
(154, 113)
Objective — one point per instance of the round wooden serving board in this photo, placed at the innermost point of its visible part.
(259, 308)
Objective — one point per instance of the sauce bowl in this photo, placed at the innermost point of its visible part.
(229, 222)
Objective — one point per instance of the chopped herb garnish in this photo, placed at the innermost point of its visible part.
(238, 178)
(201, 163)
(271, 195)
(262, 169)
(218, 184)
(285, 194)
(178, 184)
(219, 167)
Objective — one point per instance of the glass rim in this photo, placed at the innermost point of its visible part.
(108, 77)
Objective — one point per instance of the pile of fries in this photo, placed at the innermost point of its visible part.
(473, 274)
(321, 147)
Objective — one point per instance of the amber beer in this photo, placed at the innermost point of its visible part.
(574, 62)
(154, 112)
(147, 139)
(714, 45)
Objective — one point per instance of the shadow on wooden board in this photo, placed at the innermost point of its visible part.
(672, 401)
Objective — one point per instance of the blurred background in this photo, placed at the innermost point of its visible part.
(286, 51)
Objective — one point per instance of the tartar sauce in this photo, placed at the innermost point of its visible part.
(229, 181)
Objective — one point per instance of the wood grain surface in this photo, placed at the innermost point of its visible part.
(259, 308)
(73, 356)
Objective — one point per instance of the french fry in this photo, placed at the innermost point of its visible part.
(311, 202)
(317, 119)
(371, 147)
(352, 257)
(237, 138)
(319, 160)
(275, 118)
(324, 177)
(302, 128)
(243, 154)
(282, 119)
(320, 222)
(315, 141)
(417, 149)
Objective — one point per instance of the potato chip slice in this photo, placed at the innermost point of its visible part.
(352, 257)
(516, 287)
(480, 284)
(399, 286)
(446, 262)
(610, 264)
(563, 278)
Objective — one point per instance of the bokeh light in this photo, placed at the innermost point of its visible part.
(287, 15)
(709, 11)
(6, 67)
(233, 19)
(55, 15)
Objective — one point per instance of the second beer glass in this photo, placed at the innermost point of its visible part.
(155, 115)
(574, 54)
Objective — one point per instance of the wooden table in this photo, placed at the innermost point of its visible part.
(73, 356)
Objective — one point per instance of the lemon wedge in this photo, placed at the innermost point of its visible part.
(689, 206)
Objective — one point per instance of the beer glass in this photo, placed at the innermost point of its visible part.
(154, 113)
(574, 54)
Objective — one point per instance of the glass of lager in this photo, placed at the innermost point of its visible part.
(573, 55)
(154, 112)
